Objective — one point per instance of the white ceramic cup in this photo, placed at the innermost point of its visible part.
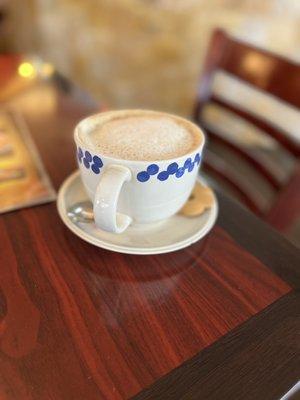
(127, 192)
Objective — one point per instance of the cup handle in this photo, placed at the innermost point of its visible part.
(106, 199)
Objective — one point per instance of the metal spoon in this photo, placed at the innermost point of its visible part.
(81, 212)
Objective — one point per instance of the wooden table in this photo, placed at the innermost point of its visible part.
(218, 320)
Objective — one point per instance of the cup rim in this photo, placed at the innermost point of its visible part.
(85, 146)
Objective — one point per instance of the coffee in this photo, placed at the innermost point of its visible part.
(144, 136)
(137, 166)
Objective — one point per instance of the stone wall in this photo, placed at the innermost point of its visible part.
(145, 53)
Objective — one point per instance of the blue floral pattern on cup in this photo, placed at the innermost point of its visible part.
(89, 161)
(144, 176)
(172, 169)
(94, 163)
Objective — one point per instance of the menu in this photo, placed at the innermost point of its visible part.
(23, 179)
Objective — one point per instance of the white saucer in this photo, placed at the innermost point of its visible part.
(172, 234)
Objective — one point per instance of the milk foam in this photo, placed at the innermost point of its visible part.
(143, 138)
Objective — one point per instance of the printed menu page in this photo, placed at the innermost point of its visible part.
(23, 179)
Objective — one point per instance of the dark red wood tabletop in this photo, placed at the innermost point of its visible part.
(217, 320)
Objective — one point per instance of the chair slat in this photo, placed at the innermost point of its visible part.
(292, 147)
(224, 174)
(250, 158)
(267, 71)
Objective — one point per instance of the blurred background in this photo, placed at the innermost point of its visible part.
(142, 53)
(158, 54)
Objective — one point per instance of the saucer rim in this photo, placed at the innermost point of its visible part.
(203, 231)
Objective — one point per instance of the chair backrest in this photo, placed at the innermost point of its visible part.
(268, 72)
(259, 69)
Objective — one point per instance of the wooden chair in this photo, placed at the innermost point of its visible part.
(273, 75)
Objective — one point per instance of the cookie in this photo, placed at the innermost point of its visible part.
(200, 199)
